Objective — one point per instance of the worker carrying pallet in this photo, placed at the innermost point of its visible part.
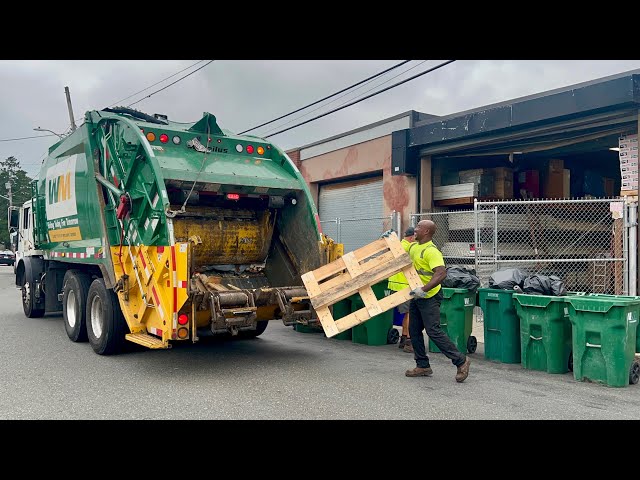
(424, 308)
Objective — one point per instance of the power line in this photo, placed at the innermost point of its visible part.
(327, 97)
(364, 98)
(173, 83)
(26, 138)
(167, 78)
(336, 99)
(147, 88)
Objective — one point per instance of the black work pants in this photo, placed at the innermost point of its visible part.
(424, 314)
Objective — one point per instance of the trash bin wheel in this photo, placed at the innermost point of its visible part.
(393, 336)
(570, 362)
(634, 374)
(472, 344)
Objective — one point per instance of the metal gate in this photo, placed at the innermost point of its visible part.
(357, 232)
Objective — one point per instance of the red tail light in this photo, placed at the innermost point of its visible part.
(183, 319)
(233, 196)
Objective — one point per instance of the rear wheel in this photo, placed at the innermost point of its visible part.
(106, 326)
(260, 328)
(28, 301)
(74, 304)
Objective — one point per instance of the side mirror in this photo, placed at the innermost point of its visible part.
(14, 242)
(14, 218)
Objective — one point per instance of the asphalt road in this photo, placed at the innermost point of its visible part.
(281, 375)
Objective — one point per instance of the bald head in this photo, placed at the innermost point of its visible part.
(425, 231)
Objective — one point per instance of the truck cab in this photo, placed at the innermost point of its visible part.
(21, 233)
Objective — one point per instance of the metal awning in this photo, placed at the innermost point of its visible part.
(595, 111)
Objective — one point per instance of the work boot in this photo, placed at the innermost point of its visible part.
(419, 372)
(408, 348)
(403, 341)
(463, 371)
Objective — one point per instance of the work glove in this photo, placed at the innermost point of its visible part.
(418, 293)
(387, 233)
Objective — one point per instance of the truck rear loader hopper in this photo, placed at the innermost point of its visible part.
(155, 231)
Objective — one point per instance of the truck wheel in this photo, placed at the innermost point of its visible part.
(28, 304)
(74, 304)
(106, 326)
(260, 328)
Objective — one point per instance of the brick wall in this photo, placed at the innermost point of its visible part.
(294, 155)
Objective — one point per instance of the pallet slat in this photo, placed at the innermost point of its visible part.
(357, 272)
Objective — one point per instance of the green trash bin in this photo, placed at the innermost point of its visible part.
(342, 309)
(456, 318)
(545, 332)
(378, 330)
(621, 297)
(604, 339)
(501, 325)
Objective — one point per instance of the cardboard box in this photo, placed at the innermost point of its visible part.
(502, 173)
(529, 184)
(566, 183)
(555, 166)
(504, 189)
(608, 187)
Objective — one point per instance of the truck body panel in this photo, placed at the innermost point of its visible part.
(191, 227)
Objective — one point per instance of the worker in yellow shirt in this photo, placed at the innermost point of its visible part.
(399, 282)
(424, 308)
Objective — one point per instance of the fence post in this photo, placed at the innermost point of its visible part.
(475, 233)
(396, 222)
(495, 235)
(632, 252)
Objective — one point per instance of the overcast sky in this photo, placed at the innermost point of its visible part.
(243, 93)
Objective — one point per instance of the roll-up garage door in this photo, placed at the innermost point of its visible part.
(359, 206)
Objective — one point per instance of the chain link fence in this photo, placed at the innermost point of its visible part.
(358, 232)
(584, 242)
(588, 243)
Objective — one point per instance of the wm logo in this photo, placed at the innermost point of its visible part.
(59, 188)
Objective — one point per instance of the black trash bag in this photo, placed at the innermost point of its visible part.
(507, 279)
(544, 285)
(557, 286)
(460, 277)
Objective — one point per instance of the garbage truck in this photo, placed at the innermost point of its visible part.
(151, 231)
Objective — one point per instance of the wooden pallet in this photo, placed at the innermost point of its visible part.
(356, 272)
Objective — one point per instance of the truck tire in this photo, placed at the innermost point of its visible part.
(74, 304)
(260, 328)
(106, 326)
(28, 304)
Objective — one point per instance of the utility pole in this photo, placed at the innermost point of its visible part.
(8, 185)
(73, 123)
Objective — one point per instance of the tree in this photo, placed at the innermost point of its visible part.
(10, 171)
